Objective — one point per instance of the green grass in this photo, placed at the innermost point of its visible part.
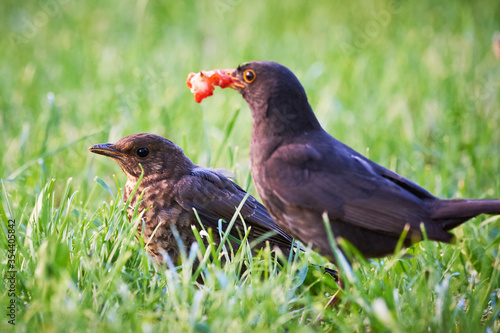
(413, 85)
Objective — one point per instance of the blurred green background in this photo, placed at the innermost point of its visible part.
(414, 85)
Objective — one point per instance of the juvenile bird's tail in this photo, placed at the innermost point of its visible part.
(453, 212)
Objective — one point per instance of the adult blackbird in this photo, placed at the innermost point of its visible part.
(173, 186)
(300, 172)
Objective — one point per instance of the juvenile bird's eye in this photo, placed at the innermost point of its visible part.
(249, 76)
(142, 152)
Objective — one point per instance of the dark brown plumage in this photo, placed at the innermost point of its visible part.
(300, 172)
(173, 186)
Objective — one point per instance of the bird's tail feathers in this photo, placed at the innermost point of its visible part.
(453, 212)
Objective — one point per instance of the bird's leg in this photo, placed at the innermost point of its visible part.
(333, 300)
(336, 297)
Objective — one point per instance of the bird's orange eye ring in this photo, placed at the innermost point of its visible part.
(249, 76)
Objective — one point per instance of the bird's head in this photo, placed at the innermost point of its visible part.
(158, 156)
(263, 78)
(275, 96)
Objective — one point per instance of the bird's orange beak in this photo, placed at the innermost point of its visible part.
(106, 149)
(236, 82)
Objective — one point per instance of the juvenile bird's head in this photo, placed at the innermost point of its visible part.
(275, 97)
(159, 157)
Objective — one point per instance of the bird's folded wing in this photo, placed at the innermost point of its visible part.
(358, 191)
(215, 197)
(403, 182)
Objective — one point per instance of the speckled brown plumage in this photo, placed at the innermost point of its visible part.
(173, 186)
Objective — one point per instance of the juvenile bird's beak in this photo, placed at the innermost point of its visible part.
(106, 149)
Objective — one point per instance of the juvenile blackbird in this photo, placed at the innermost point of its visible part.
(173, 186)
(300, 172)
